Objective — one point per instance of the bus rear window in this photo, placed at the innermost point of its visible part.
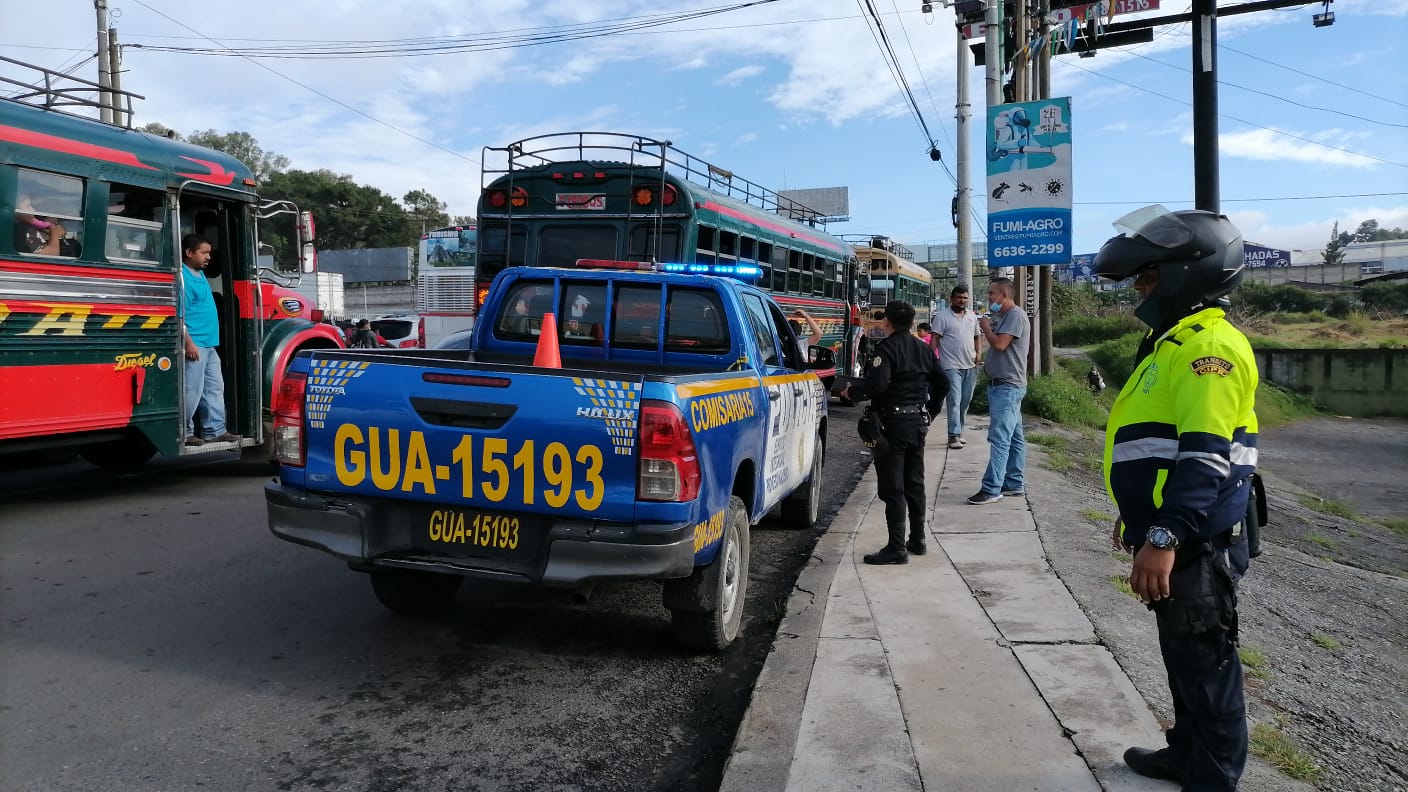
(561, 246)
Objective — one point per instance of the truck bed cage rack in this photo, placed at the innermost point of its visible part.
(55, 91)
(643, 153)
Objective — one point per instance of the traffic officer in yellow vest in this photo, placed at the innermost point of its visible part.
(1180, 449)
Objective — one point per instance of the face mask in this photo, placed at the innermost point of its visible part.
(995, 307)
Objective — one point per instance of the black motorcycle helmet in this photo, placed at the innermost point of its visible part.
(1198, 254)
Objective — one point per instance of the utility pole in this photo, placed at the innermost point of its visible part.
(1043, 91)
(1205, 164)
(105, 97)
(963, 211)
(121, 110)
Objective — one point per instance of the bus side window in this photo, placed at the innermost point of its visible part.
(45, 203)
(779, 270)
(794, 271)
(765, 263)
(134, 225)
(706, 247)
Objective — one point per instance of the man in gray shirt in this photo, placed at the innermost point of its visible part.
(1008, 333)
(957, 329)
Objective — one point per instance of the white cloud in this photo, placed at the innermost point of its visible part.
(1118, 126)
(746, 137)
(1268, 144)
(740, 74)
(1259, 226)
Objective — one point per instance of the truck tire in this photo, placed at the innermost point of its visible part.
(800, 509)
(711, 618)
(129, 452)
(414, 593)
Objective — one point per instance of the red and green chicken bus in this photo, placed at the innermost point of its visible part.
(91, 354)
(556, 200)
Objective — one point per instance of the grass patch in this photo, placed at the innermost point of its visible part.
(1277, 407)
(1120, 555)
(1121, 584)
(1399, 527)
(1358, 324)
(1059, 461)
(1254, 661)
(1050, 441)
(1281, 751)
(1328, 506)
(1323, 541)
(1325, 641)
(1096, 516)
(1116, 358)
(1059, 397)
(1085, 330)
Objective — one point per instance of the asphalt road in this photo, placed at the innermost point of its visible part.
(155, 636)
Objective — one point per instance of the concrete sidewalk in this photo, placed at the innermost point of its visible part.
(969, 669)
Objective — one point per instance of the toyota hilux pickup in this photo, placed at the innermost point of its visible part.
(600, 423)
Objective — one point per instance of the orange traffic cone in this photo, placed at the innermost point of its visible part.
(548, 355)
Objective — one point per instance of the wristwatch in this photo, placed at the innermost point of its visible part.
(1161, 538)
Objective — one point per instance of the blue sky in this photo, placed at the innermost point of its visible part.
(791, 93)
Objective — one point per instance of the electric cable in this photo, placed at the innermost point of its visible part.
(1239, 120)
(311, 89)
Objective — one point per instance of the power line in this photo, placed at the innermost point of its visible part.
(310, 88)
(1312, 76)
(1143, 202)
(1239, 120)
(922, 80)
(399, 48)
(1274, 96)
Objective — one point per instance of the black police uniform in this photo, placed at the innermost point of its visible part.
(906, 388)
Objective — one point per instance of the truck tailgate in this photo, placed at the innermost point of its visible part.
(488, 437)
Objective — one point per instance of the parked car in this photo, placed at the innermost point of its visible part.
(402, 332)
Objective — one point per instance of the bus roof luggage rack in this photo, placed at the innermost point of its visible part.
(880, 242)
(56, 91)
(640, 152)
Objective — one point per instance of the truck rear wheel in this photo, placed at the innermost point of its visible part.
(414, 593)
(129, 452)
(707, 607)
(802, 507)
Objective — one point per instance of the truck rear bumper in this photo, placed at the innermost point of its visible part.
(363, 532)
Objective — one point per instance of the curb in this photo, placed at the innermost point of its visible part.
(767, 738)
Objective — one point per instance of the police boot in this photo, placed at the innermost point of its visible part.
(888, 555)
(916, 545)
(1154, 764)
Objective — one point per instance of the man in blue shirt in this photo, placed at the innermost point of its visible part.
(205, 386)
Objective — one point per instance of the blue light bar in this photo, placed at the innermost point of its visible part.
(736, 271)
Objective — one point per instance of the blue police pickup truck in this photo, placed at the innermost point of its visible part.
(684, 411)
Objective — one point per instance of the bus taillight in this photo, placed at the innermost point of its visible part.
(497, 199)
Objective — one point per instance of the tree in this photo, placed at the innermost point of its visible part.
(1370, 231)
(426, 209)
(462, 220)
(1333, 254)
(243, 147)
(347, 214)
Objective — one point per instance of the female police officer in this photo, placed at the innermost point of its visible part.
(907, 388)
(1180, 448)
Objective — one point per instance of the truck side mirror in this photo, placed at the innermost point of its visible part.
(820, 357)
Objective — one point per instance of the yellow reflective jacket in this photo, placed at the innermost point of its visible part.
(1180, 445)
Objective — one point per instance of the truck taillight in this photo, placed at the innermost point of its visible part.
(288, 420)
(669, 467)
